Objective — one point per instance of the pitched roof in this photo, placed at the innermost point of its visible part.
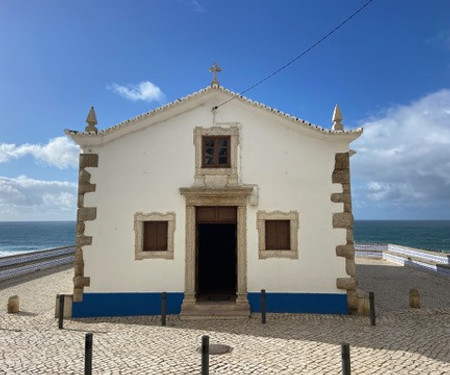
(122, 127)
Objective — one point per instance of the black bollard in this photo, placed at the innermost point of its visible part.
(205, 355)
(372, 308)
(345, 352)
(88, 354)
(263, 306)
(163, 308)
(61, 312)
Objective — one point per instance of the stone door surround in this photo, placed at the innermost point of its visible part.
(227, 196)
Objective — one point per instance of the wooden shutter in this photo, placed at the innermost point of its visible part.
(155, 236)
(278, 235)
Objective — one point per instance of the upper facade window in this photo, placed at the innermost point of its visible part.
(215, 152)
(216, 155)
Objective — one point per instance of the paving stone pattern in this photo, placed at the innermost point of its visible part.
(404, 341)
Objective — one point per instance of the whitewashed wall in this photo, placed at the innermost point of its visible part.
(293, 172)
(142, 172)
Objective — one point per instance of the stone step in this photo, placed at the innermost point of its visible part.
(215, 310)
(193, 316)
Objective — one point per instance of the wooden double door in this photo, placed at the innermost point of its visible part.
(216, 253)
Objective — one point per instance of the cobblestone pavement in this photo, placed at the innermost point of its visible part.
(404, 341)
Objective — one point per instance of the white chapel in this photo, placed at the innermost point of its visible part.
(212, 198)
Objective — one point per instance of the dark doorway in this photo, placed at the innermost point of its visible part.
(217, 259)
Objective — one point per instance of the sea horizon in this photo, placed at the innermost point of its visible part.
(74, 220)
(17, 237)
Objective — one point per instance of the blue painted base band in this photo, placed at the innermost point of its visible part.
(130, 304)
(310, 303)
(125, 304)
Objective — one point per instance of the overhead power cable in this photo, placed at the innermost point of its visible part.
(299, 55)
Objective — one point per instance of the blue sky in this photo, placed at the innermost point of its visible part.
(388, 68)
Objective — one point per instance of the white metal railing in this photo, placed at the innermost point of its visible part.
(426, 260)
(438, 257)
(409, 251)
(371, 246)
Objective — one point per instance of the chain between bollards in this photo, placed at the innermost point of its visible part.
(163, 308)
(345, 352)
(263, 306)
(61, 312)
(205, 355)
(88, 354)
(372, 308)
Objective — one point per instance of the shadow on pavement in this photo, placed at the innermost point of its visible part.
(424, 331)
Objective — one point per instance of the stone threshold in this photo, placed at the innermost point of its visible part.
(215, 310)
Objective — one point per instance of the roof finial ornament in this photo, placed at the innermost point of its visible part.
(214, 70)
(337, 119)
(91, 121)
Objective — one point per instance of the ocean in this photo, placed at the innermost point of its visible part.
(429, 235)
(17, 237)
(20, 237)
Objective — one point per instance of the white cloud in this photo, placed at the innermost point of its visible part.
(441, 40)
(24, 198)
(403, 158)
(145, 91)
(197, 6)
(59, 152)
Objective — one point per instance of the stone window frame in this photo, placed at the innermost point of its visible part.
(224, 130)
(292, 216)
(139, 219)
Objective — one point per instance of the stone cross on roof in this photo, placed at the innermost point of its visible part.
(215, 69)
